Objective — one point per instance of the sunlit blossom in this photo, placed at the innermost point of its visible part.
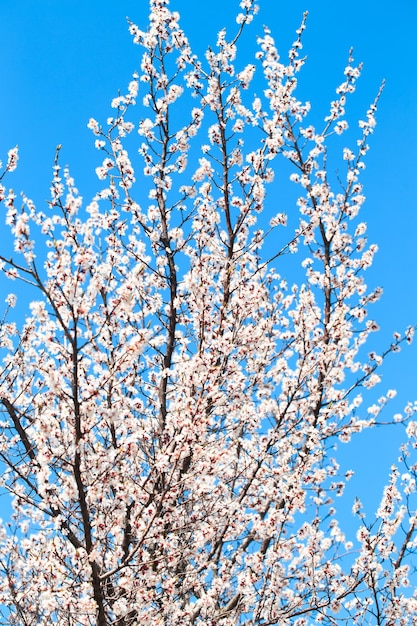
(195, 353)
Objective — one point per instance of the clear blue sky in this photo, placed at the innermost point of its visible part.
(62, 61)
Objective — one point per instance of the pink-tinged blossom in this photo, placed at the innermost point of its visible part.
(11, 300)
(246, 76)
(94, 126)
(171, 406)
(12, 159)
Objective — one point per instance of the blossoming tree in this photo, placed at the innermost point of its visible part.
(172, 402)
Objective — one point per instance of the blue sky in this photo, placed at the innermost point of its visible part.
(62, 61)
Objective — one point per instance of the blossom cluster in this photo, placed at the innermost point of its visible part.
(172, 404)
